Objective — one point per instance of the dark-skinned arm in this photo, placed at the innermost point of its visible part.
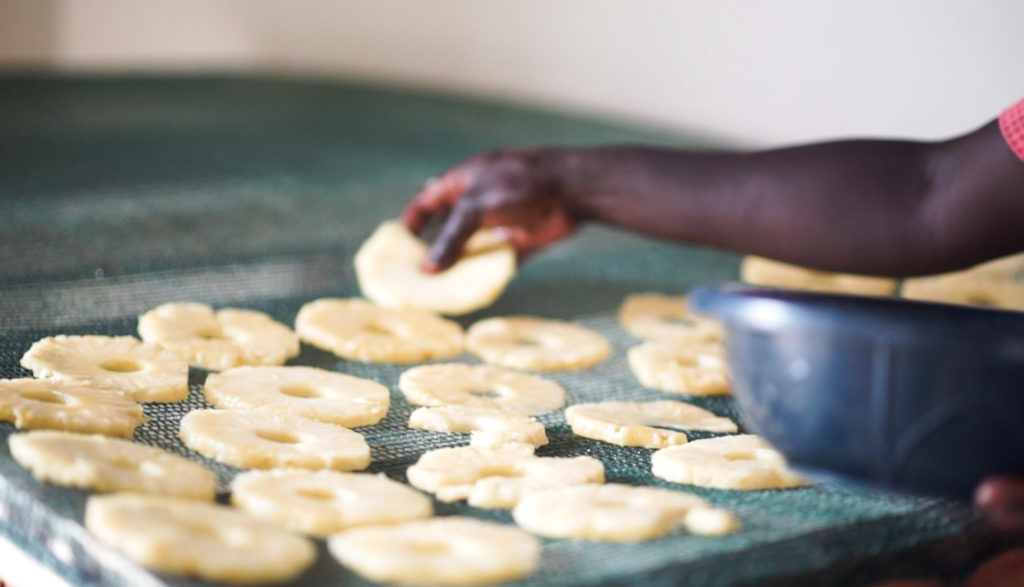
(881, 207)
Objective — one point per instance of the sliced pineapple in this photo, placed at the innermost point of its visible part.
(204, 540)
(638, 423)
(481, 386)
(497, 478)
(612, 512)
(489, 428)
(694, 369)
(744, 462)
(260, 440)
(388, 269)
(56, 404)
(325, 502)
(302, 391)
(711, 522)
(762, 271)
(229, 337)
(657, 317)
(144, 371)
(438, 551)
(536, 344)
(358, 330)
(995, 284)
(100, 463)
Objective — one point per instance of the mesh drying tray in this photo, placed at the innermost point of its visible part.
(118, 194)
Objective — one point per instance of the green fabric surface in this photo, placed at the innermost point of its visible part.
(119, 194)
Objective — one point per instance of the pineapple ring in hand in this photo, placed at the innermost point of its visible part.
(636, 423)
(229, 337)
(64, 405)
(482, 386)
(145, 371)
(497, 478)
(358, 330)
(320, 503)
(205, 540)
(107, 464)
(695, 369)
(438, 551)
(388, 269)
(657, 317)
(744, 462)
(537, 344)
(258, 440)
(302, 391)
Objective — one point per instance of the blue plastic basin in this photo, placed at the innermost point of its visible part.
(914, 396)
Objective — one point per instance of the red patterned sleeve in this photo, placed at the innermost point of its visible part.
(1011, 122)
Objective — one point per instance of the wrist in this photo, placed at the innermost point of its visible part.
(572, 174)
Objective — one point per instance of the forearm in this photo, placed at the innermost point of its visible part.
(878, 207)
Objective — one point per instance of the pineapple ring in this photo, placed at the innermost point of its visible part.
(63, 405)
(257, 440)
(636, 423)
(489, 428)
(657, 317)
(497, 478)
(438, 551)
(612, 512)
(697, 369)
(320, 503)
(537, 344)
(303, 391)
(204, 540)
(482, 386)
(388, 269)
(768, 272)
(743, 462)
(108, 464)
(997, 284)
(145, 371)
(357, 330)
(229, 337)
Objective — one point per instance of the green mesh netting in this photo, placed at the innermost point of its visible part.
(120, 194)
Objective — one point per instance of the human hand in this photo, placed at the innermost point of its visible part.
(522, 191)
(1002, 499)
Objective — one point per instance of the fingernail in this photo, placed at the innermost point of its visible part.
(430, 266)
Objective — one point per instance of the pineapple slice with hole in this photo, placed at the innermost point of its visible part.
(657, 317)
(743, 462)
(612, 512)
(641, 423)
(497, 478)
(100, 463)
(196, 539)
(56, 404)
(481, 386)
(229, 337)
(320, 503)
(694, 369)
(302, 391)
(358, 330)
(536, 344)
(438, 551)
(144, 371)
(259, 440)
(488, 428)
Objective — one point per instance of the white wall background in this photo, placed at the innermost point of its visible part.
(762, 72)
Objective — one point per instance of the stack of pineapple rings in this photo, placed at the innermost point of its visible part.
(292, 426)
